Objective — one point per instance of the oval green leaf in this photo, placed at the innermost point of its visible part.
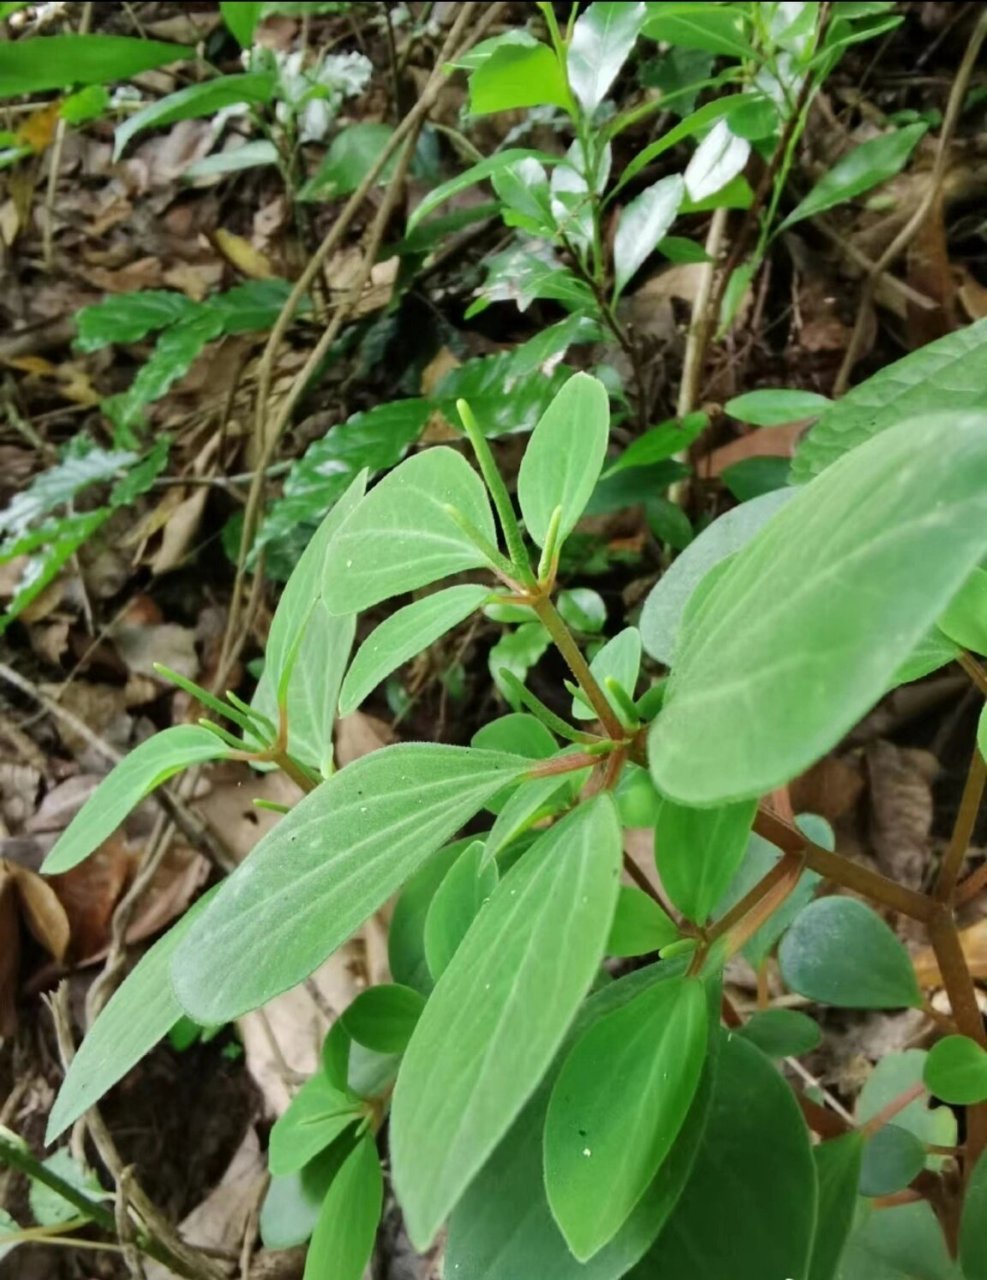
(56, 62)
(892, 1158)
(602, 39)
(500, 1011)
(840, 952)
(956, 1070)
(973, 1224)
(645, 222)
(316, 1116)
(564, 457)
(782, 1033)
(698, 852)
(193, 102)
(806, 627)
(384, 1017)
(618, 1104)
(639, 925)
(328, 865)
(344, 1235)
(456, 904)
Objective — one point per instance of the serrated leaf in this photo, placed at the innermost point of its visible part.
(316, 1116)
(58, 62)
(755, 1129)
(401, 536)
(136, 776)
(602, 40)
(946, 372)
(808, 624)
(639, 925)
(840, 952)
(618, 1104)
(698, 852)
(719, 158)
(661, 618)
(545, 927)
(863, 167)
(173, 355)
(404, 634)
(196, 100)
(468, 884)
(128, 317)
(956, 1070)
(341, 852)
(343, 1239)
(141, 1011)
(643, 224)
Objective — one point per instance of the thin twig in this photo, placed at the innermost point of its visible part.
(55, 164)
(966, 818)
(906, 235)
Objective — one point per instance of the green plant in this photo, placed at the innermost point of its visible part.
(557, 1119)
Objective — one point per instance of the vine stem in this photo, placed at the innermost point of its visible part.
(765, 890)
(562, 637)
(959, 841)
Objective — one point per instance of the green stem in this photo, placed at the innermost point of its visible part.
(562, 638)
(498, 491)
(19, 1158)
(538, 709)
(499, 563)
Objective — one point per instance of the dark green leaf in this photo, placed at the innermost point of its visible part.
(482, 383)
(540, 354)
(946, 372)
(137, 775)
(48, 1208)
(973, 1235)
(892, 1158)
(401, 536)
(893, 1076)
(172, 357)
(315, 1118)
(753, 477)
(782, 1033)
(617, 1107)
(344, 1235)
(522, 274)
(352, 153)
(406, 936)
(695, 123)
(479, 172)
(713, 28)
(382, 1018)
(500, 1011)
(602, 39)
(661, 442)
(840, 952)
(456, 904)
(809, 623)
(193, 102)
(738, 1216)
(341, 852)
(404, 634)
(865, 166)
(698, 852)
(956, 1070)
(56, 62)
(904, 1242)
(838, 1173)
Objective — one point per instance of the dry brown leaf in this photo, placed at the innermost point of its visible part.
(195, 279)
(359, 734)
(180, 532)
(10, 222)
(929, 271)
(10, 953)
(901, 808)
(141, 646)
(89, 894)
(242, 255)
(145, 273)
(37, 131)
(101, 707)
(229, 807)
(972, 294)
(43, 914)
(973, 940)
(830, 788)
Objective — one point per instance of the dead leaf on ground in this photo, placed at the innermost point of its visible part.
(180, 532)
(141, 646)
(901, 809)
(229, 806)
(830, 788)
(241, 254)
(973, 940)
(359, 734)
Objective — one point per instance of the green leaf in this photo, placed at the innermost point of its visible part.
(892, 1158)
(251, 155)
(59, 540)
(456, 904)
(564, 457)
(293, 1202)
(406, 936)
(782, 1033)
(774, 408)
(618, 1104)
(895, 1074)
(478, 172)
(931, 653)
(661, 442)
(316, 1116)
(840, 952)
(401, 536)
(82, 465)
(956, 1070)
(47, 1206)
(382, 1018)
(699, 851)
(530, 801)
(661, 619)
(620, 660)
(195, 101)
(837, 1173)
(756, 476)
(241, 18)
(709, 114)
(602, 40)
(755, 1130)
(141, 1011)
(482, 383)
(518, 76)
(713, 28)
(719, 158)
(8, 1227)
(973, 1236)
(352, 153)
(584, 610)
(807, 626)
(503, 1227)
(500, 1011)
(965, 619)
(643, 224)
(904, 1242)
(522, 274)
(639, 925)
(328, 865)
(136, 776)
(405, 633)
(88, 104)
(57, 62)
(343, 1239)
(540, 354)
(525, 197)
(865, 166)
(946, 372)
(170, 360)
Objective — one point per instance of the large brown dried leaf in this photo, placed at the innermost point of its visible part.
(901, 809)
(43, 914)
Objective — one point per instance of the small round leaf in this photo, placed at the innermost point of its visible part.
(956, 1070)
